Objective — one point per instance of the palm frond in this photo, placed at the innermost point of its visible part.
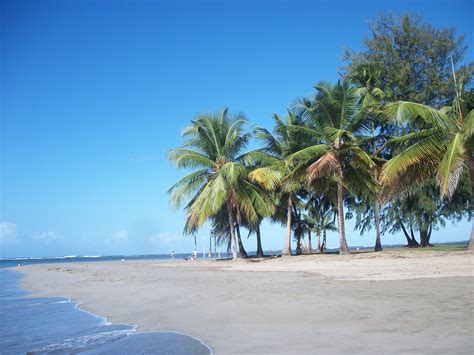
(328, 163)
(186, 186)
(404, 111)
(451, 166)
(308, 154)
(268, 177)
(428, 149)
(188, 158)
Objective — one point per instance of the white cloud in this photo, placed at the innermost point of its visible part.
(47, 236)
(8, 232)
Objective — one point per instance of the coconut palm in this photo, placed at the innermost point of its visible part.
(334, 120)
(309, 227)
(441, 143)
(366, 76)
(299, 222)
(320, 216)
(213, 143)
(275, 173)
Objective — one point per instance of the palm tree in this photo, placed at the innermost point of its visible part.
(309, 223)
(212, 147)
(275, 172)
(238, 214)
(366, 75)
(256, 229)
(320, 217)
(442, 144)
(335, 120)
(299, 224)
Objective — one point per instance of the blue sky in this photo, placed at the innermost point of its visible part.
(93, 94)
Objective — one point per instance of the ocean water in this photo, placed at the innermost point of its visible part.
(9, 262)
(54, 325)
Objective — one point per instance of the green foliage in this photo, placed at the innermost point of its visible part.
(440, 142)
(400, 116)
(414, 59)
(424, 210)
(213, 144)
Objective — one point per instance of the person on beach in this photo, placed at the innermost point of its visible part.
(172, 254)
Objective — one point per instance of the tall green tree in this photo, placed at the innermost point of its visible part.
(419, 63)
(213, 146)
(334, 120)
(276, 173)
(366, 76)
(320, 217)
(416, 58)
(422, 210)
(441, 144)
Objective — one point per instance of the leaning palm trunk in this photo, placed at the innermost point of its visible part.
(232, 230)
(378, 243)
(242, 252)
(259, 243)
(287, 246)
(343, 248)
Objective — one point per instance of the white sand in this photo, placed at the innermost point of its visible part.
(390, 302)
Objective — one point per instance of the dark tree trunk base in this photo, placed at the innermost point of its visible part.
(242, 252)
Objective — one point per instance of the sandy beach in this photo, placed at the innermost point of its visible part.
(390, 302)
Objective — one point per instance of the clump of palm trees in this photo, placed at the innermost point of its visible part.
(344, 147)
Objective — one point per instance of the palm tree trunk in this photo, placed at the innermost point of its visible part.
(242, 252)
(259, 243)
(343, 248)
(230, 213)
(318, 234)
(378, 243)
(287, 246)
(323, 246)
(310, 246)
(298, 246)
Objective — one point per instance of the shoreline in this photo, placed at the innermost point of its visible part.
(282, 305)
(124, 335)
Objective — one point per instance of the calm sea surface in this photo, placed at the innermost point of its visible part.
(9, 262)
(55, 325)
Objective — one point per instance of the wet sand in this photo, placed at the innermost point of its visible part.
(390, 302)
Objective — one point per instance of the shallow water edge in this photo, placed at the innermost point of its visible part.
(56, 325)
